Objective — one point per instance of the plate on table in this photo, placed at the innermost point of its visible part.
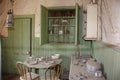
(40, 58)
(55, 56)
(49, 62)
(32, 62)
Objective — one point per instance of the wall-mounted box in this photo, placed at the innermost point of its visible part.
(91, 28)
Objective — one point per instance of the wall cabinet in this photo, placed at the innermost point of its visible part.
(59, 24)
(91, 29)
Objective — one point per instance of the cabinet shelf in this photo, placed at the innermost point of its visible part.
(61, 26)
(68, 17)
(59, 34)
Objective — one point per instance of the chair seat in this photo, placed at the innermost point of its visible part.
(25, 72)
(33, 76)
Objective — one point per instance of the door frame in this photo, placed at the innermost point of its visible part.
(32, 20)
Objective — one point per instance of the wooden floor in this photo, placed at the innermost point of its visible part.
(10, 77)
(15, 77)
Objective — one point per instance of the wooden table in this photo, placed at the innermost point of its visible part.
(42, 64)
(78, 70)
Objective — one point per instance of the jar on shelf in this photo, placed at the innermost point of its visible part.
(51, 31)
(60, 31)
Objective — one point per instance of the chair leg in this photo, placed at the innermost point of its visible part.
(50, 75)
(39, 78)
(46, 74)
(58, 72)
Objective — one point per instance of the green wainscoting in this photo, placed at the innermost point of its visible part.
(110, 58)
(65, 50)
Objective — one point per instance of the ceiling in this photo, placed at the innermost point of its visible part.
(1, 1)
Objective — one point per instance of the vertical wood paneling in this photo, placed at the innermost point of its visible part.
(65, 50)
(110, 58)
(14, 47)
(116, 66)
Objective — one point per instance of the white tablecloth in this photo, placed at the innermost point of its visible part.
(43, 63)
(78, 70)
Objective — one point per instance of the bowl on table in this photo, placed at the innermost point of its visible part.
(40, 58)
(92, 65)
(32, 61)
(55, 56)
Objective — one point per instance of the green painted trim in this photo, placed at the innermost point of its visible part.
(25, 16)
(61, 7)
(76, 23)
(44, 25)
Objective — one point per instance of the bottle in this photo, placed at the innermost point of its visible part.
(77, 55)
(78, 50)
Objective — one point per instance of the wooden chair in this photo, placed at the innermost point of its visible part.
(58, 71)
(55, 72)
(25, 72)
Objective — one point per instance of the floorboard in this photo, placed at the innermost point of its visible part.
(16, 77)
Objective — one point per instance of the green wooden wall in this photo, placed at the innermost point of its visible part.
(11, 55)
(15, 46)
(110, 58)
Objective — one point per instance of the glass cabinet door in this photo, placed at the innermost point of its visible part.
(43, 25)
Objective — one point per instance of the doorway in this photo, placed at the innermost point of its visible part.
(18, 42)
